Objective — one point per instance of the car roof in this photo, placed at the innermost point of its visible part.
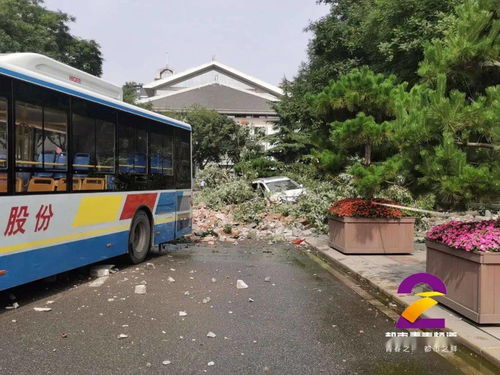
(270, 179)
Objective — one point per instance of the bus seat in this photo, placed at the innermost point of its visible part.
(81, 163)
(140, 162)
(3, 160)
(77, 183)
(3, 184)
(126, 165)
(46, 157)
(19, 184)
(156, 163)
(41, 184)
(61, 184)
(61, 160)
(93, 184)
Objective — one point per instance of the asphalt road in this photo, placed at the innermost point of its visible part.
(302, 321)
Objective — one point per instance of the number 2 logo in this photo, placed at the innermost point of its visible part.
(410, 318)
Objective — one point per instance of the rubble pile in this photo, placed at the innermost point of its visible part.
(210, 226)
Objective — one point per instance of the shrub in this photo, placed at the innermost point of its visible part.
(468, 236)
(356, 207)
(233, 191)
(213, 176)
(249, 212)
(313, 205)
(259, 167)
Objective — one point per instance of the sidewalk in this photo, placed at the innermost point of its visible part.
(385, 272)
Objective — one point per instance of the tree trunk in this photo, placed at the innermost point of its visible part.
(368, 153)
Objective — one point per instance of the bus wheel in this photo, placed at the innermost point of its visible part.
(139, 239)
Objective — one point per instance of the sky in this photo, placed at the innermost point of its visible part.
(263, 38)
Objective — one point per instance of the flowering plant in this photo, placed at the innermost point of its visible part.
(364, 208)
(468, 236)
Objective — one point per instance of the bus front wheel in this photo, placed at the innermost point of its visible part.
(139, 240)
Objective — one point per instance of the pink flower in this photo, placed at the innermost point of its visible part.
(468, 236)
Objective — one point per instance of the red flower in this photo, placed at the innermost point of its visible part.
(364, 208)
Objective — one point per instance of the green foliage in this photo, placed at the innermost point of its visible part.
(215, 136)
(27, 26)
(249, 212)
(213, 176)
(259, 167)
(233, 191)
(439, 131)
(314, 204)
(468, 54)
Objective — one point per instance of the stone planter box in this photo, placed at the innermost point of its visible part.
(472, 280)
(359, 235)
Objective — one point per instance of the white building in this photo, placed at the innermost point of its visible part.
(216, 86)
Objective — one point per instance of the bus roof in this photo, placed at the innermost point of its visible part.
(44, 71)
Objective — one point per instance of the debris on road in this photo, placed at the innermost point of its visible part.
(211, 363)
(214, 280)
(98, 282)
(42, 309)
(122, 336)
(206, 300)
(211, 334)
(171, 279)
(140, 289)
(298, 241)
(150, 266)
(101, 270)
(250, 300)
(165, 363)
(267, 279)
(182, 313)
(186, 293)
(14, 306)
(240, 284)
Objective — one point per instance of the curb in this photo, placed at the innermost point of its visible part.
(401, 302)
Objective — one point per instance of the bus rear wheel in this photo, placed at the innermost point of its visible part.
(139, 240)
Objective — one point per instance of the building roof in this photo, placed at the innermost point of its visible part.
(215, 65)
(220, 97)
(46, 72)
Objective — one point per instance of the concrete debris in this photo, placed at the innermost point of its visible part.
(172, 269)
(101, 270)
(267, 279)
(211, 334)
(211, 363)
(165, 363)
(240, 284)
(98, 282)
(122, 336)
(250, 300)
(206, 300)
(150, 266)
(49, 302)
(171, 279)
(42, 309)
(186, 293)
(140, 289)
(14, 306)
(210, 226)
(182, 313)
(214, 280)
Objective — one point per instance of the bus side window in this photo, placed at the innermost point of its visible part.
(41, 121)
(3, 146)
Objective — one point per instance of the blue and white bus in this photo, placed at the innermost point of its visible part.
(83, 175)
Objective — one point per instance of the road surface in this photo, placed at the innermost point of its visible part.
(301, 321)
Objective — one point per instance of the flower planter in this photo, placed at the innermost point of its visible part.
(472, 281)
(359, 235)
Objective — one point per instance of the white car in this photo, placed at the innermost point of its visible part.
(280, 189)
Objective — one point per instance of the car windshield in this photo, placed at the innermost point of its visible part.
(281, 185)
